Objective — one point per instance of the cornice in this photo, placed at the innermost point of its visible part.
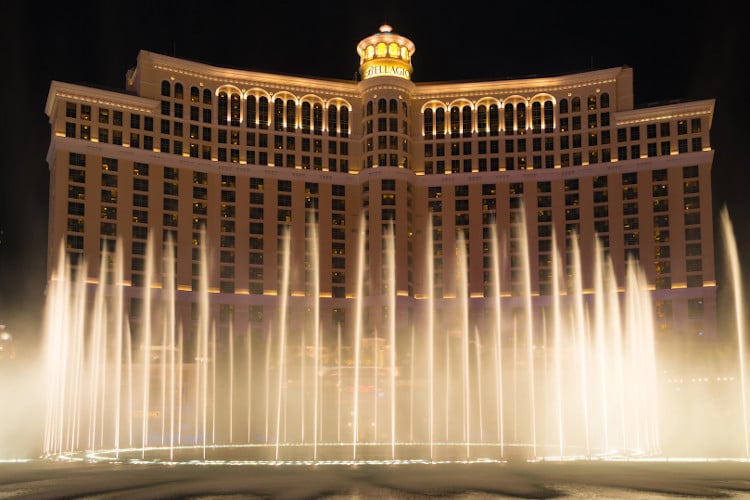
(517, 86)
(97, 96)
(245, 79)
(666, 112)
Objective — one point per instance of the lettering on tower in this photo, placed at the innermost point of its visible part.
(386, 70)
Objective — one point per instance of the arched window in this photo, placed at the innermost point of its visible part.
(194, 94)
(494, 119)
(563, 106)
(549, 120)
(234, 110)
(508, 110)
(278, 114)
(428, 131)
(381, 105)
(576, 105)
(317, 119)
(405, 108)
(165, 88)
(369, 108)
(604, 100)
(455, 121)
(482, 120)
(521, 117)
(393, 106)
(332, 115)
(223, 108)
(440, 123)
(291, 114)
(592, 102)
(178, 91)
(466, 125)
(251, 111)
(536, 117)
(207, 96)
(306, 117)
(344, 126)
(263, 113)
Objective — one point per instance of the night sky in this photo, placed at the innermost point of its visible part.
(690, 54)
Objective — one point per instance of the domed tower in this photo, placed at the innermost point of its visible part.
(385, 54)
(387, 179)
(386, 86)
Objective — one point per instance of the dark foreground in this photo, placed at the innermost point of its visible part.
(611, 480)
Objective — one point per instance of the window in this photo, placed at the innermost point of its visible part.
(77, 159)
(317, 119)
(695, 308)
(75, 175)
(576, 105)
(278, 114)
(689, 172)
(591, 102)
(693, 234)
(234, 110)
(549, 121)
(140, 185)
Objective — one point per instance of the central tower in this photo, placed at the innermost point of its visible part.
(387, 179)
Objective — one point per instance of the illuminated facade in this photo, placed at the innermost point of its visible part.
(247, 155)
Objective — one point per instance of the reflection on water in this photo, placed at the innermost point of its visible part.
(647, 481)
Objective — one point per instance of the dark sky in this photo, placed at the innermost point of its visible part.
(692, 53)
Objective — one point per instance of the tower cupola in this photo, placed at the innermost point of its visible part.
(385, 54)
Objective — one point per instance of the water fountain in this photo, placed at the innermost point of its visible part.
(586, 387)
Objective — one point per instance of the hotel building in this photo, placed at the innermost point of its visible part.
(225, 161)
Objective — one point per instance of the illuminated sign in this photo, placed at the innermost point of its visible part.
(386, 70)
